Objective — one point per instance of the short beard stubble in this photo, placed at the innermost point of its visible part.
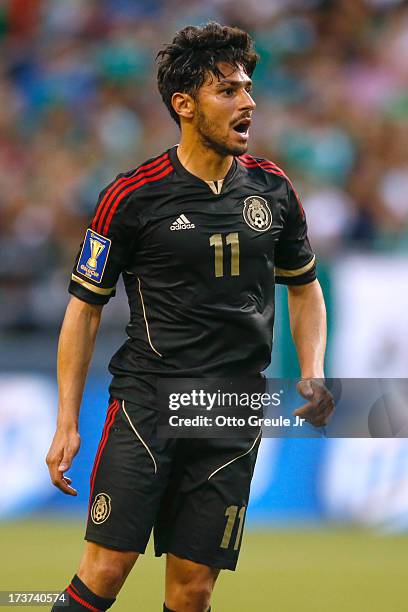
(209, 138)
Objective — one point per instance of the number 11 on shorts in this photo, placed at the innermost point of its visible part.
(231, 512)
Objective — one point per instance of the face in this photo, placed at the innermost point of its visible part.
(223, 110)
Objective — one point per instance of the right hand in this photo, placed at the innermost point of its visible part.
(320, 404)
(63, 449)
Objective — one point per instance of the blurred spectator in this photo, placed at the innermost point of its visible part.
(79, 104)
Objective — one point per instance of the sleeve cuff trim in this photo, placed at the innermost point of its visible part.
(298, 271)
(99, 290)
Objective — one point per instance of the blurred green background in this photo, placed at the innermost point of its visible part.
(314, 570)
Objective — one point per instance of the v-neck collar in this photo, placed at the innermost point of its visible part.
(192, 178)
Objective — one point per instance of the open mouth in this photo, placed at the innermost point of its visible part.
(243, 126)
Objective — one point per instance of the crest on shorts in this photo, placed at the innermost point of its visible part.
(101, 508)
(257, 214)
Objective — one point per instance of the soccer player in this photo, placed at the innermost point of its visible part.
(200, 235)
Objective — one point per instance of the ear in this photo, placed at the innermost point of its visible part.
(183, 104)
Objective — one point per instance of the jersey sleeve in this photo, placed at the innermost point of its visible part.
(104, 251)
(295, 262)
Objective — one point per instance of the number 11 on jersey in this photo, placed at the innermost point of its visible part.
(232, 240)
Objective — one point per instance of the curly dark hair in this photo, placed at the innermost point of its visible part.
(194, 52)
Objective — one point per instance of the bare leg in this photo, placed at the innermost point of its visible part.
(189, 585)
(104, 570)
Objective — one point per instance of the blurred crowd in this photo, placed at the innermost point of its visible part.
(79, 104)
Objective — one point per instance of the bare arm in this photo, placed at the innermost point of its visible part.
(307, 314)
(75, 348)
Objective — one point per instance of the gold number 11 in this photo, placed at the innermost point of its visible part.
(231, 512)
(217, 242)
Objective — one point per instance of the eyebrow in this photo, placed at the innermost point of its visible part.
(234, 83)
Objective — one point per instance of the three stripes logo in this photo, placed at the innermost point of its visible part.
(181, 223)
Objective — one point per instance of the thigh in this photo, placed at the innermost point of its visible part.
(182, 571)
(129, 477)
(204, 517)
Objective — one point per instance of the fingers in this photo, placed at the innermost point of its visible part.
(321, 405)
(312, 414)
(305, 388)
(64, 486)
(303, 409)
(317, 415)
(63, 483)
(65, 461)
(62, 451)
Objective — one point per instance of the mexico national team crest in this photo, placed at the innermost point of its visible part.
(101, 508)
(94, 255)
(257, 213)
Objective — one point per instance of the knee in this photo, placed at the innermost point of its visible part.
(189, 585)
(104, 571)
(110, 574)
(197, 593)
(192, 593)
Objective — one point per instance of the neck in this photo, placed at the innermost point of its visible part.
(203, 162)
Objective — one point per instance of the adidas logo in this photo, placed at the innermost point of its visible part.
(181, 223)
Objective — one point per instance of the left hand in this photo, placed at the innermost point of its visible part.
(320, 406)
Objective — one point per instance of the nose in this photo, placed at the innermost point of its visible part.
(247, 101)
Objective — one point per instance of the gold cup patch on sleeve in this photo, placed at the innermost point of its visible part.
(96, 250)
(101, 508)
(94, 255)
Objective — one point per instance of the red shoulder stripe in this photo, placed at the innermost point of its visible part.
(248, 159)
(133, 187)
(268, 169)
(130, 181)
(265, 165)
(269, 166)
(120, 184)
(112, 190)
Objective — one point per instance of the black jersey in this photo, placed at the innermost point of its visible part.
(199, 262)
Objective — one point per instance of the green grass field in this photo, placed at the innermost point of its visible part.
(282, 571)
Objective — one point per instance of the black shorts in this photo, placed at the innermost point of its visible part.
(192, 492)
